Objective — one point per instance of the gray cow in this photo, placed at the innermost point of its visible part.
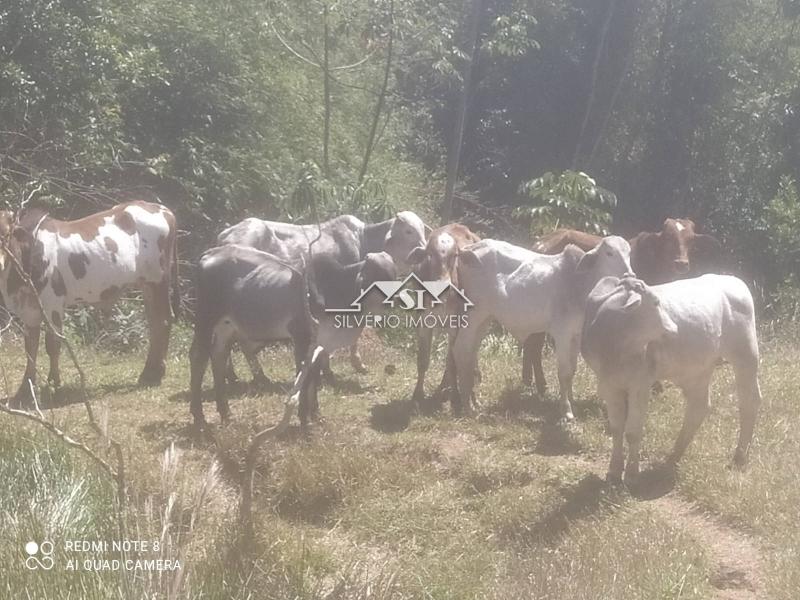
(255, 298)
(635, 334)
(345, 238)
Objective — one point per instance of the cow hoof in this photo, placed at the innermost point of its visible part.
(631, 476)
(739, 461)
(150, 378)
(567, 420)
(418, 398)
(23, 399)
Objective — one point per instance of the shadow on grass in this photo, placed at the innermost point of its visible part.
(653, 483)
(391, 417)
(343, 385)
(588, 497)
(515, 401)
(182, 433)
(67, 395)
(236, 389)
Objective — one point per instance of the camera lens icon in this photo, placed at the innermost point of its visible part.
(40, 556)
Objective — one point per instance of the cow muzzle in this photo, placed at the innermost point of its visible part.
(681, 265)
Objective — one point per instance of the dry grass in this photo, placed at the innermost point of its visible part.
(504, 505)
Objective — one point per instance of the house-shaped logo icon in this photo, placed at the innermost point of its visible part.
(411, 293)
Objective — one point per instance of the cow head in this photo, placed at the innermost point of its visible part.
(674, 252)
(612, 256)
(644, 311)
(377, 266)
(406, 233)
(18, 245)
(437, 260)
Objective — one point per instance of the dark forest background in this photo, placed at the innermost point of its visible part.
(595, 114)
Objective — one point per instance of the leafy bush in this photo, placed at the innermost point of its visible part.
(569, 199)
(122, 329)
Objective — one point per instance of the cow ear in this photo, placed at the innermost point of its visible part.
(587, 262)
(469, 258)
(416, 256)
(634, 300)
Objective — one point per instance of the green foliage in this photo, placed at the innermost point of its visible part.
(367, 199)
(782, 222)
(569, 199)
(510, 35)
(782, 217)
(121, 330)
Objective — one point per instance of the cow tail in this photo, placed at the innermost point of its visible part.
(175, 298)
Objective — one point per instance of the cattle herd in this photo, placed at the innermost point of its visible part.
(639, 311)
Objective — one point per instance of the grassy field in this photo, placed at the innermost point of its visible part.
(375, 503)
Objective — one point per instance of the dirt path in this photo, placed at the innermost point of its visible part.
(736, 562)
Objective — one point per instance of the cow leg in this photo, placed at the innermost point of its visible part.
(748, 394)
(355, 359)
(159, 319)
(52, 343)
(24, 395)
(230, 374)
(449, 382)
(308, 403)
(567, 346)
(638, 399)
(198, 358)
(465, 355)
(616, 407)
(697, 404)
(424, 339)
(220, 352)
(251, 355)
(532, 369)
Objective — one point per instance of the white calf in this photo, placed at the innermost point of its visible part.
(635, 334)
(531, 293)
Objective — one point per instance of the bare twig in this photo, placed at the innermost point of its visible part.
(308, 369)
(119, 474)
(64, 437)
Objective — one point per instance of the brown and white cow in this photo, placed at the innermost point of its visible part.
(89, 261)
(675, 252)
(438, 261)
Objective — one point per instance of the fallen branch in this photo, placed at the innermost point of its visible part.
(117, 474)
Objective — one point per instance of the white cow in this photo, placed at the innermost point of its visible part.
(531, 293)
(636, 334)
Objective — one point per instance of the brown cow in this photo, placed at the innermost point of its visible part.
(675, 252)
(438, 261)
(89, 261)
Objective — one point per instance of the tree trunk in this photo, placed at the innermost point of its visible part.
(326, 92)
(601, 43)
(454, 152)
(376, 117)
